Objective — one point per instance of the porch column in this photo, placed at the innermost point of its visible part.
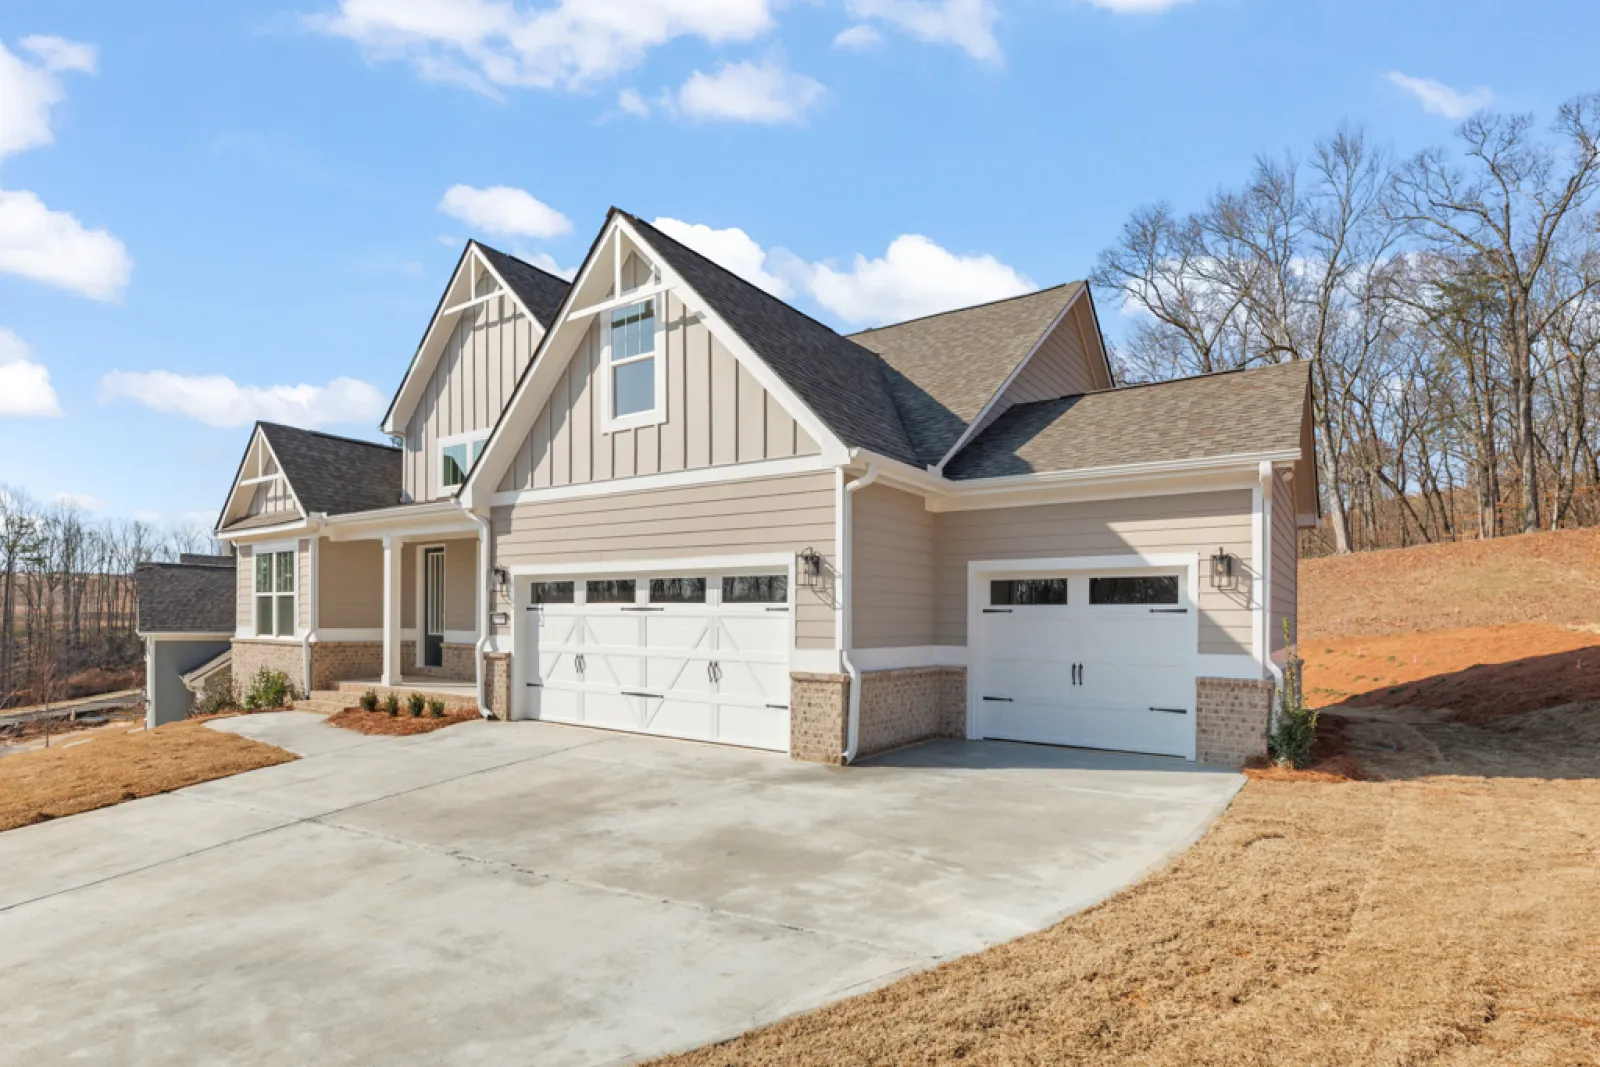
(392, 571)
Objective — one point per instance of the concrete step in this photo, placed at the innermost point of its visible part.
(350, 693)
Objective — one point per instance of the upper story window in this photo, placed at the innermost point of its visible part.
(457, 455)
(274, 593)
(635, 372)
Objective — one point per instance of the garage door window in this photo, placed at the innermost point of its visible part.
(1019, 591)
(1158, 589)
(677, 590)
(552, 593)
(610, 590)
(755, 589)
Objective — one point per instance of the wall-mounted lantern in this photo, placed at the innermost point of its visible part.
(502, 577)
(1221, 569)
(810, 568)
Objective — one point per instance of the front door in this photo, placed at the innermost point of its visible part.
(433, 607)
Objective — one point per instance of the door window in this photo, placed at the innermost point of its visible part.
(610, 590)
(1020, 591)
(755, 589)
(677, 590)
(1134, 589)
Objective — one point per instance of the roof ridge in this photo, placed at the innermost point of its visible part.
(1130, 386)
(969, 307)
(329, 436)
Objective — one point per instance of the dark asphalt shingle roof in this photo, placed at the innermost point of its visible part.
(335, 475)
(1215, 415)
(186, 597)
(944, 368)
(845, 385)
(540, 291)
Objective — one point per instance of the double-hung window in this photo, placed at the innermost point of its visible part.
(275, 593)
(635, 370)
(457, 455)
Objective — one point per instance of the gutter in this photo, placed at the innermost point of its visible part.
(483, 609)
(846, 623)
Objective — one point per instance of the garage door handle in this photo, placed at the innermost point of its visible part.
(537, 685)
(1173, 711)
(644, 609)
(778, 707)
(653, 696)
(1004, 700)
(997, 611)
(778, 609)
(1169, 611)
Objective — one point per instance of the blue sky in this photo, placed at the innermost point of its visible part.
(206, 207)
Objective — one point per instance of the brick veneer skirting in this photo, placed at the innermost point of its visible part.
(249, 656)
(497, 683)
(819, 705)
(902, 707)
(1231, 717)
(459, 663)
(333, 662)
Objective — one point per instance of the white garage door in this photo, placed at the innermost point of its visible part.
(1091, 660)
(703, 657)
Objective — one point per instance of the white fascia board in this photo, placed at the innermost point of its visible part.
(447, 517)
(983, 413)
(259, 440)
(258, 534)
(755, 561)
(194, 635)
(732, 472)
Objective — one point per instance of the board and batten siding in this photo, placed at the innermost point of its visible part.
(1285, 572)
(1197, 523)
(717, 414)
(271, 498)
(892, 554)
(779, 515)
(477, 371)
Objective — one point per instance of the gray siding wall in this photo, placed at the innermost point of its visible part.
(482, 359)
(892, 553)
(1285, 564)
(1195, 522)
(769, 515)
(716, 415)
(170, 661)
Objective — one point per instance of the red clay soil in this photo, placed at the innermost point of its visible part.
(1476, 673)
(402, 725)
(1331, 759)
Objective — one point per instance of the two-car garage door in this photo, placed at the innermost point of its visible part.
(698, 656)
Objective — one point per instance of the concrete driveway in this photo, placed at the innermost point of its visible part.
(535, 894)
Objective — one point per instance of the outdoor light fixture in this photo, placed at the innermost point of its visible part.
(810, 568)
(502, 577)
(1221, 569)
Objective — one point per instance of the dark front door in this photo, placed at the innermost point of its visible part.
(433, 607)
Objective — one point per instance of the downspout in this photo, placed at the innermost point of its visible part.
(314, 528)
(483, 608)
(847, 622)
(1268, 667)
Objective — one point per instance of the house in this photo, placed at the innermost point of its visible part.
(660, 499)
(186, 619)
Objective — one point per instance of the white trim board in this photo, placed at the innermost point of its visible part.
(728, 472)
(907, 656)
(765, 561)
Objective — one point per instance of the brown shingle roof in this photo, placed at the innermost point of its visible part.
(944, 368)
(1231, 413)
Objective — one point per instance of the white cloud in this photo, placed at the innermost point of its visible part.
(501, 209)
(967, 24)
(218, 400)
(25, 388)
(1439, 99)
(488, 46)
(915, 277)
(80, 501)
(1134, 7)
(747, 92)
(148, 516)
(545, 261)
(630, 101)
(53, 247)
(859, 38)
(28, 91)
(58, 53)
(731, 248)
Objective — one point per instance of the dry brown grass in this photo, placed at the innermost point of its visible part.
(111, 768)
(1448, 915)
(402, 725)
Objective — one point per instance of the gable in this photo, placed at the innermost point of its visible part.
(1068, 361)
(261, 494)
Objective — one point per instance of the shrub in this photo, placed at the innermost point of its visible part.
(268, 689)
(391, 704)
(214, 702)
(436, 708)
(415, 703)
(369, 700)
(1294, 727)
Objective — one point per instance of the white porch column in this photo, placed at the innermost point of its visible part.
(392, 571)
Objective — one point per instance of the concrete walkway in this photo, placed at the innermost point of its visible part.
(535, 894)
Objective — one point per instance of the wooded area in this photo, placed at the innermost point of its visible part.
(1447, 304)
(67, 607)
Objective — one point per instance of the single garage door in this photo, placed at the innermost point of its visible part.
(704, 657)
(1091, 660)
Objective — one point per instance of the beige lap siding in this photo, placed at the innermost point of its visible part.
(768, 516)
(245, 572)
(1193, 523)
(350, 585)
(893, 553)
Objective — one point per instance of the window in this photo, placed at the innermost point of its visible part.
(755, 589)
(1160, 589)
(634, 381)
(610, 590)
(457, 455)
(677, 590)
(551, 593)
(1014, 591)
(275, 594)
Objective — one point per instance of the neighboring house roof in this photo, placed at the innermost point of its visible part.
(204, 560)
(197, 598)
(844, 384)
(1215, 415)
(335, 475)
(945, 368)
(540, 291)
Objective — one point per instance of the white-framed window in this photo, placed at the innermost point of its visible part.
(634, 380)
(457, 454)
(274, 591)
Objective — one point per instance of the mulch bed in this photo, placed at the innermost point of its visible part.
(402, 725)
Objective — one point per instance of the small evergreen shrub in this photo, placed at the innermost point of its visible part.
(415, 703)
(436, 708)
(369, 700)
(268, 689)
(391, 704)
(1294, 727)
